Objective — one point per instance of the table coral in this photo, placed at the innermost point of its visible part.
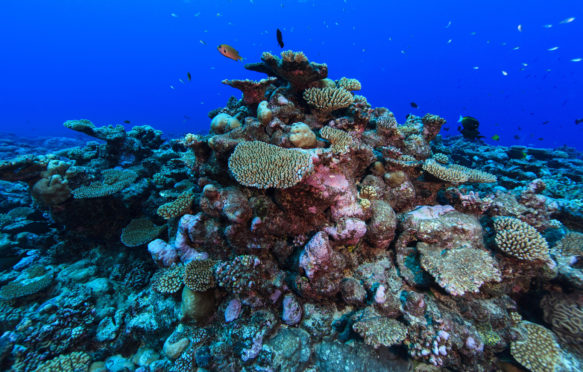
(261, 165)
(140, 231)
(538, 350)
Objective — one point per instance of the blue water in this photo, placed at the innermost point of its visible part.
(110, 61)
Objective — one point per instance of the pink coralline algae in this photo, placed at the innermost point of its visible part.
(317, 255)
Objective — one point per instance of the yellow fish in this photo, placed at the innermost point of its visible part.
(229, 52)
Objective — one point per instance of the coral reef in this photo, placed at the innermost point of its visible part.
(306, 231)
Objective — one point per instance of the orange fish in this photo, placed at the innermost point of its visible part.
(229, 52)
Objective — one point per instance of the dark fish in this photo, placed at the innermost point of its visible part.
(126, 121)
(578, 121)
(519, 127)
(541, 139)
(516, 137)
(187, 117)
(189, 76)
(414, 105)
(279, 38)
(446, 129)
(546, 122)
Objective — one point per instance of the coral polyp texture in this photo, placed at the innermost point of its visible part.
(306, 231)
(518, 239)
(259, 164)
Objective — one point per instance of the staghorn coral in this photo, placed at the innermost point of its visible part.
(520, 240)
(459, 270)
(348, 84)
(441, 158)
(177, 208)
(261, 165)
(538, 350)
(326, 100)
(114, 180)
(198, 275)
(73, 362)
(169, 280)
(140, 231)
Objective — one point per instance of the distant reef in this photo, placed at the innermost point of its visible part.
(307, 231)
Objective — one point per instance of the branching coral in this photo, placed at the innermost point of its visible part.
(327, 100)
(348, 84)
(538, 350)
(261, 165)
(339, 139)
(177, 208)
(379, 330)
(114, 180)
(198, 275)
(140, 231)
(520, 240)
(30, 281)
(459, 270)
(169, 280)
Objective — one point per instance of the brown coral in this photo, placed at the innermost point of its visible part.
(520, 240)
(198, 275)
(169, 280)
(114, 180)
(348, 84)
(459, 270)
(73, 362)
(339, 139)
(253, 91)
(177, 208)
(327, 100)
(140, 231)
(259, 164)
(444, 173)
(538, 350)
(378, 330)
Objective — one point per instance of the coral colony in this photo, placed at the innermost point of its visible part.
(307, 231)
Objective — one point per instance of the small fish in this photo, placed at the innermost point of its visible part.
(576, 59)
(516, 48)
(445, 129)
(414, 105)
(196, 14)
(548, 26)
(448, 24)
(189, 76)
(187, 117)
(476, 67)
(279, 38)
(172, 87)
(519, 127)
(516, 137)
(519, 28)
(174, 15)
(229, 52)
(578, 121)
(202, 42)
(567, 20)
(504, 73)
(553, 48)
(181, 81)
(126, 121)
(496, 137)
(540, 139)
(546, 122)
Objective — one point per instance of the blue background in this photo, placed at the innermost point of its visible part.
(115, 60)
